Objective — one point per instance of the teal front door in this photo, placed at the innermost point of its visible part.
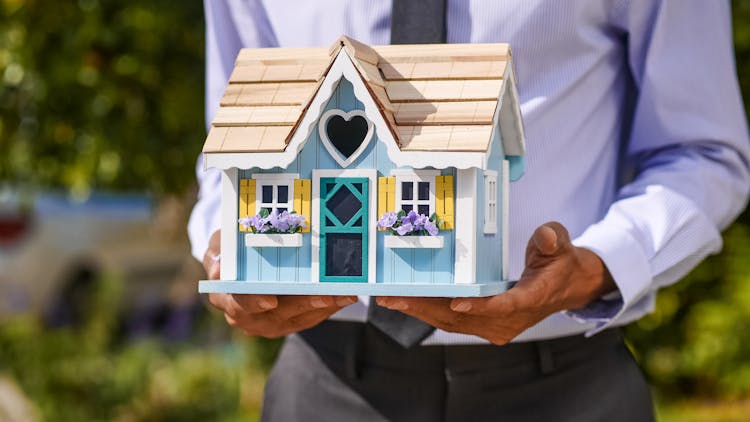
(343, 229)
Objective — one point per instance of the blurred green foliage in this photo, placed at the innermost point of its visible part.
(101, 94)
(89, 373)
(697, 342)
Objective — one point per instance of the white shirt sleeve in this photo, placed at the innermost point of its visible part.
(224, 39)
(689, 150)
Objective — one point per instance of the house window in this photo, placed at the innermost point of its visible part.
(415, 190)
(490, 202)
(274, 191)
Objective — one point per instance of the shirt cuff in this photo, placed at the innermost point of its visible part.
(629, 267)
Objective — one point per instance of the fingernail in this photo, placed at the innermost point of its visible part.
(344, 301)
(318, 302)
(398, 305)
(462, 307)
(265, 304)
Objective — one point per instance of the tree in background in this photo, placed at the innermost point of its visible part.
(101, 94)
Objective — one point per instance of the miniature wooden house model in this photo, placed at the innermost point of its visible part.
(367, 170)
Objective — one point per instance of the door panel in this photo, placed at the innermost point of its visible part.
(343, 229)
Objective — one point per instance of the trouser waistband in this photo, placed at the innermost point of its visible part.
(350, 345)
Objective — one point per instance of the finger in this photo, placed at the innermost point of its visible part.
(254, 304)
(271, 326)
(420, 307)
(218, 300)
(291, 306)
(214, 273)
(550, 238)
(211, 259)
(544, 240)
(502, 304)
(227, 303)
(437, 313)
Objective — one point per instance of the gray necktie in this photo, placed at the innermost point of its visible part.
(412, 22)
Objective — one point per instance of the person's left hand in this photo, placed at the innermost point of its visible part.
(558, 276)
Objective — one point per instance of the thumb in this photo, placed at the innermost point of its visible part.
(549, 239)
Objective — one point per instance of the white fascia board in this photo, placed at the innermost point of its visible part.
(514, 138)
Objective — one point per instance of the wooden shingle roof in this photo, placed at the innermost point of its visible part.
(439, 97)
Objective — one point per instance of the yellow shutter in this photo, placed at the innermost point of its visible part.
(386, 195)
(444, 201)
(247, 200)
(302, 200)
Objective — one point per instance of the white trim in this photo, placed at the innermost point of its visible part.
(343, 67)
(276, 240)
(275, 180)
(466, 231)
(490, 202)
(505, 219)
(416, 159)
(372, 255)
(335, 153)
(423, 173)
(229, 223)
(275, 177)
(411, 242)
(415, 176)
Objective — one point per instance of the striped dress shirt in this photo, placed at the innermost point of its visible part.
(637, 139)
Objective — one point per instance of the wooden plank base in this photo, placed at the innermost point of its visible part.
(341, 289)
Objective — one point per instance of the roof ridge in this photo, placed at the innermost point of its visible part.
(365, 62)
(356, 50)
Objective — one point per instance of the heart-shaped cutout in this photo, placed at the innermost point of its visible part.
(345, 135)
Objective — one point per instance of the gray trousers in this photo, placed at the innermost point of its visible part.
(342, 371)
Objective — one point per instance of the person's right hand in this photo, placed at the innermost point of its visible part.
(268, 315)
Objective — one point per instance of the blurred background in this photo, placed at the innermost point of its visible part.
(101, 120)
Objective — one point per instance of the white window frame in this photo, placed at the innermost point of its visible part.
(275, 180)
(490, 202)
(416, 176)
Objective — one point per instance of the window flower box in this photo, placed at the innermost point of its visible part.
(274, 229)
(412, 242)
(411, 230)
(273, 240)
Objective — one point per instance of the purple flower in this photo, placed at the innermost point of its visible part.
(280, 222)
(387, 220)
(407, 224)
(431, 228)
(246, 222)
(257, 222)
(274, 222)
(421, 221)
(297, 220)
(404, 228)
